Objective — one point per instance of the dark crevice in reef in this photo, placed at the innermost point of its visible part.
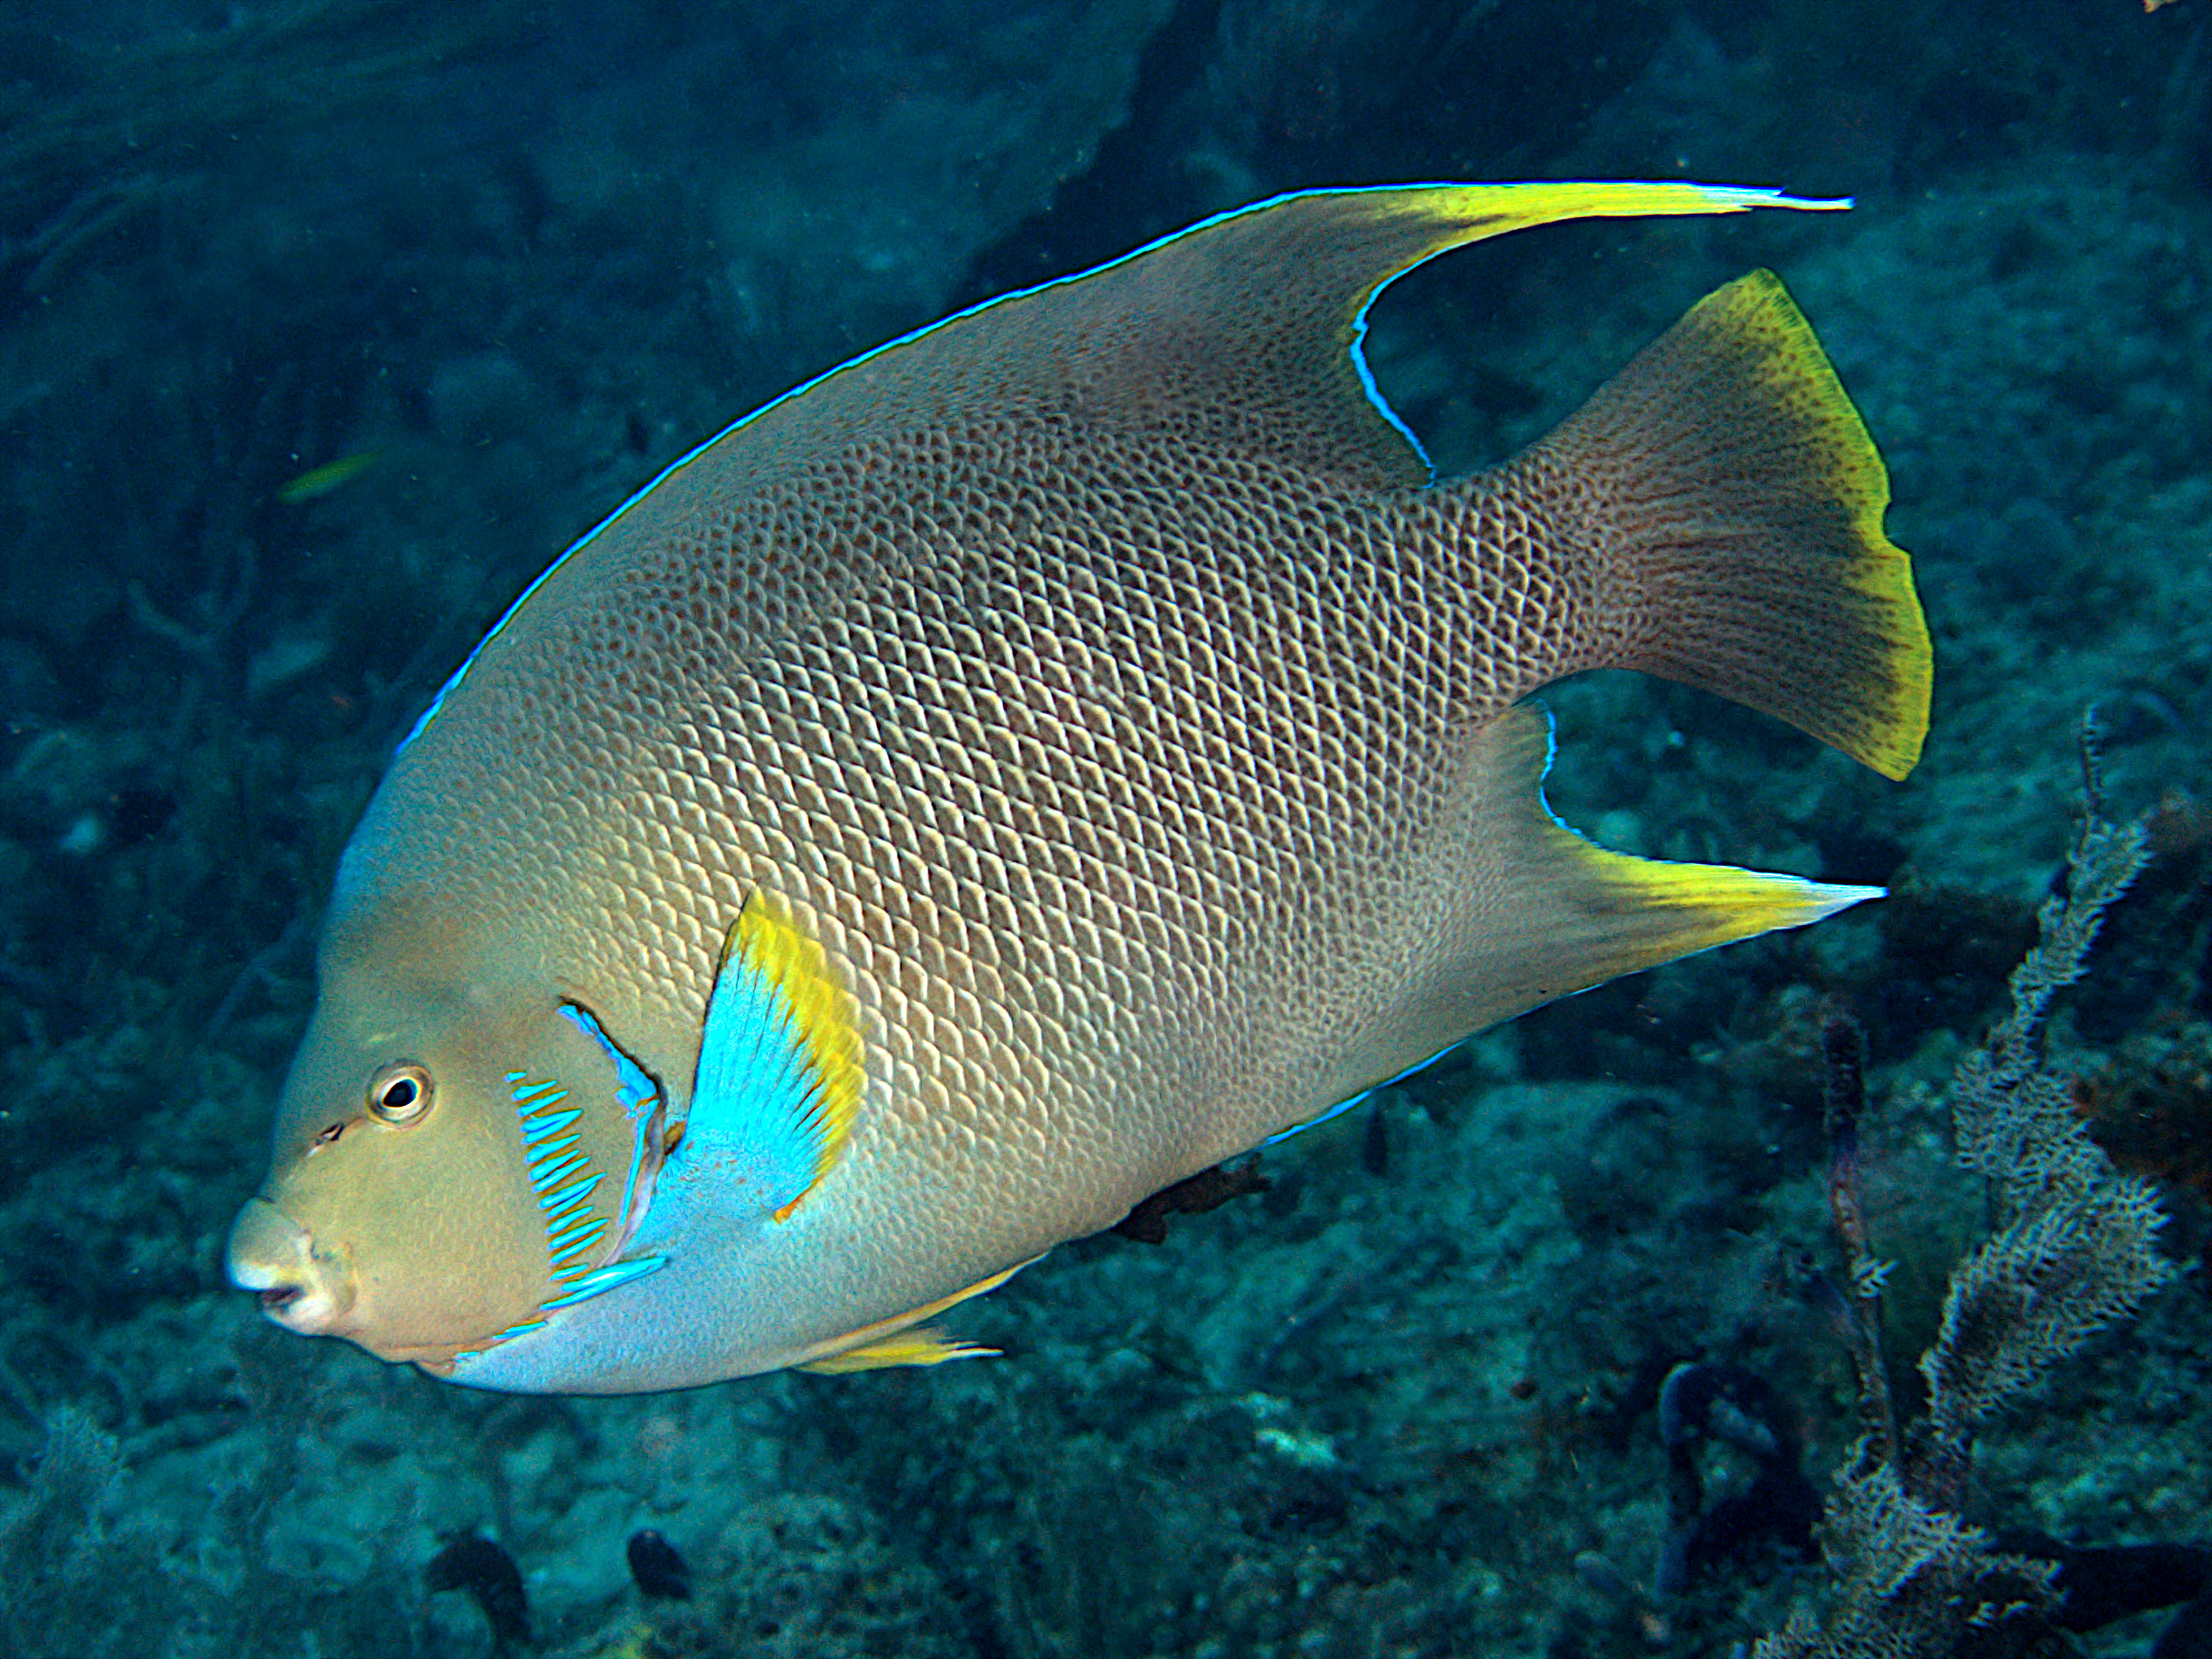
(1086, 222)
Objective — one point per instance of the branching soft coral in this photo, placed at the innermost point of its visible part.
(2075, 1250)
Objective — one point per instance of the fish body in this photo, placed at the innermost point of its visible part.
(1024, 767)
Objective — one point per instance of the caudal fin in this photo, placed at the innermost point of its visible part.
(1729, 502)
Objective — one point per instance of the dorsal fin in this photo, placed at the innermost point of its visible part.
(779, 1076)
(1245, 326)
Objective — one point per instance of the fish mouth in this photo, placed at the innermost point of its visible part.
(302, 1289)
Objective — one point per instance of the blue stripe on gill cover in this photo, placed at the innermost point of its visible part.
(779, 1077)
(640, 1096)
(564, 1182)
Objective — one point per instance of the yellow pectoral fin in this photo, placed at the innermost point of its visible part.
(896, 1341)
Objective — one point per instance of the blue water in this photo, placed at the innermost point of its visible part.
(509, 260)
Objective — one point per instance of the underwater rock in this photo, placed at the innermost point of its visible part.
(2114, 1582)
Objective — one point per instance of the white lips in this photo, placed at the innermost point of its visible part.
(271, 1253)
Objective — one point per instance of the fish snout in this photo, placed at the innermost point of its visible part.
(272, 1256)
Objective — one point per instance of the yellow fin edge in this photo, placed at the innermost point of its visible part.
(920, 1345)
(897, 1341)
(770, 941)
(1460, 214)
(1666, 910)
(1798, 376)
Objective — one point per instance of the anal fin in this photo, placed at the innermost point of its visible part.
(1514, 910)
(1589, 913)
(902, 1340)
(918, 1345)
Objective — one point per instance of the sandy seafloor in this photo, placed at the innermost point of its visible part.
(520, 256)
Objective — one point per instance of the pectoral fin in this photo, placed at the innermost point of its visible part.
(779, 1077)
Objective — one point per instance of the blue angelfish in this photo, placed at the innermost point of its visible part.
(1025, 766)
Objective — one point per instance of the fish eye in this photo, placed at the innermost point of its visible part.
(400, 1093)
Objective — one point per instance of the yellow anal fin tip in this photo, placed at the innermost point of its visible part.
(918, 1345)
(1665, 911)
(1742, 903)
(1580, 913)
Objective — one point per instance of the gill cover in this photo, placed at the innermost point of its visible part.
(418, 1200)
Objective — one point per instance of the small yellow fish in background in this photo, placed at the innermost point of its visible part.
(1027, 765)
(330, 475)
